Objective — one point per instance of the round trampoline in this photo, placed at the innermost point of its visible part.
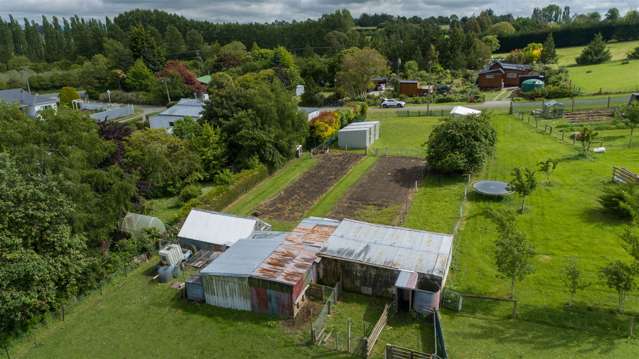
(492, 188)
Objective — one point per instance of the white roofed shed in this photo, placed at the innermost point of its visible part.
(208, 229)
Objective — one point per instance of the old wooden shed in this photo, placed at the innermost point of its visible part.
(269, 272)
(408, 265)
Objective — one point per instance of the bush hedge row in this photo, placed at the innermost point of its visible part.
(221, 196)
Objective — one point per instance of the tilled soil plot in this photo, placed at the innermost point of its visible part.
(388, 184)
(301, 195)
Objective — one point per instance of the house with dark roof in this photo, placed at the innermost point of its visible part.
(512, 72)
(491, 79)
(31, 104)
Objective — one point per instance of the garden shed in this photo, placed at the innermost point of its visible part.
(406, 264)
(269, 272)
(226, 279)
(135, 224)
(358, 135)
(204, 229)
(186, 107)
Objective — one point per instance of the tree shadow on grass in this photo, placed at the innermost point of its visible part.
(544, 329)
(599, 215)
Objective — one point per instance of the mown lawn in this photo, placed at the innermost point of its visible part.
(139, 318)
(563, 220)
(403, 136)
(608, 77)
(567, 55)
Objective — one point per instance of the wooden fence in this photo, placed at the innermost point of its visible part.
(622, 175)
(395, 352)
(371, 339)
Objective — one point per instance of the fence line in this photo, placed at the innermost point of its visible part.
(573, 104)
(371, 339)
(318, 326)
(397, 352)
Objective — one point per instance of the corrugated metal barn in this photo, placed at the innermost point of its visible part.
(380, 260)
(358, 135)
(269, 272)
(226, 279)
(214, 230)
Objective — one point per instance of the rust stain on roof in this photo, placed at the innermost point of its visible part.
(292, 259)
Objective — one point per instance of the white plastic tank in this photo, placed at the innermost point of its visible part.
(171, 255)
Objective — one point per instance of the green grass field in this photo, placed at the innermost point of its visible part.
(567, 55)
(563, 220)
(608, 77)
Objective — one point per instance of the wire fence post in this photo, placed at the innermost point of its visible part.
(350, 324)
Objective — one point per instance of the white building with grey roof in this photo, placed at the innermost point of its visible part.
(31, 104)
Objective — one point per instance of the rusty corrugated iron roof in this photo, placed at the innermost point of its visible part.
(292, 259)
(391, 247)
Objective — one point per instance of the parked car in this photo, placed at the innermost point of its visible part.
(390, 102)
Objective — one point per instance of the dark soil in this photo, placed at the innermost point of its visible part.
(301, 195)
(388, 184)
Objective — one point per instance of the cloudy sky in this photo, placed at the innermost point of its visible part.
(269, 10)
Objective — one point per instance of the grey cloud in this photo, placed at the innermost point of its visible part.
(271, 10)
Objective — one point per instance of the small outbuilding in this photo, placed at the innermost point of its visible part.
(204, 229)
(461, 111)
(269, 272)
(491, 79)
(406, 264)
(358, 135)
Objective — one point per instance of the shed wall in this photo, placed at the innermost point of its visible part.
(354, 139)
(269, 297)
(357, 277)
(227, 292)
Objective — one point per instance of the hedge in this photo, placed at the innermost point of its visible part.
(573, 35)
(221, 197)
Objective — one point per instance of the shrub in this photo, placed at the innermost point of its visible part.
(189, 192)
(595, 53)
(224, 177)
(324, 127)
(220, 197)
(621, 200)
(461, 145)
(633, 54)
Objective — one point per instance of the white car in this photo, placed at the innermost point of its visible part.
(390, 102)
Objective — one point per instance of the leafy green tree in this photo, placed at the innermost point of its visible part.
(612, 15)
(523, 183)
(139, 77)
(630, 117)
(174, 41)
(548, 53)
(513, 251)
(461, 145)
(586, 136)
(572, 279)
(630, 238)
(194, 40)
(548, 167)
(144, 46)
(164, 163)
(204, 140)
(491, 41)
(119, 55)
(620, 277)
(502, 28)
(231, 55)
(43, 259)
(595, 53)
(256, 116)
(357, 68)
(67, 95)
